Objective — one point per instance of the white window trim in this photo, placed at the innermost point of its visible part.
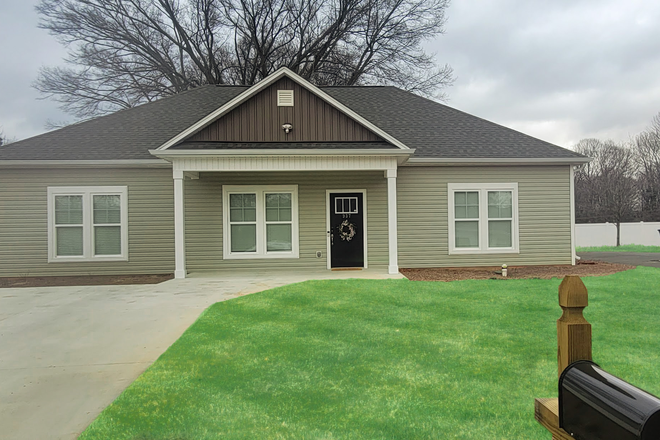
(87, 192)
(260, 191)
(483, 189)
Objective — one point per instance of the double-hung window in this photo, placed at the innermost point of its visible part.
(483, 218)
(87, 223)
(260, 221)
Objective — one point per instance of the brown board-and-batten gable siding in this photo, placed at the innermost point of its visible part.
(260, 119)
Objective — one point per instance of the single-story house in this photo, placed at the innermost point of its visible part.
(283, 175)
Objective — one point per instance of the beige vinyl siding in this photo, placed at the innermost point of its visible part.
(543, 205)
(203, 200)
(24, 220)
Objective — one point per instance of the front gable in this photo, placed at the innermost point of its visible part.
(260, 119)
(255, 117)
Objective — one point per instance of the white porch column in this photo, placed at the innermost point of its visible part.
(179, 227)
(573, 254)
(393, 267)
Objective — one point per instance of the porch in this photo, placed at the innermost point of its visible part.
(223, 209)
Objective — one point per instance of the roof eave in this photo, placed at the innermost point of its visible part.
(498, 161)
(113, 163)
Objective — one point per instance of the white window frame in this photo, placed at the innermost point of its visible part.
(87, 193)
(260, 191)
(483, 189)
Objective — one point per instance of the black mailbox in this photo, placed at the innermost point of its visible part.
(594, 405)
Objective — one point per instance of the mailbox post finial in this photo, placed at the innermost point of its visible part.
(573, 330)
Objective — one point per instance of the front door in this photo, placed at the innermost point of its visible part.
(346, 229)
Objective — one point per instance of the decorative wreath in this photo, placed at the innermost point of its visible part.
(346, 230)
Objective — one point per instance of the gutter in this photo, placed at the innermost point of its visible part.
(496, 161)
(115, 163)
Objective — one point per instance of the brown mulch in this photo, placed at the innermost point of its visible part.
(94, 280)
(583, 269)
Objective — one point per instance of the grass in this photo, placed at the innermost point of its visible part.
(623, 248)
(394, 359)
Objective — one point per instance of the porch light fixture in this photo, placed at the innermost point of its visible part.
(287, 128)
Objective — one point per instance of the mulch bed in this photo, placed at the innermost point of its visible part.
(583, 269)
(95, 280)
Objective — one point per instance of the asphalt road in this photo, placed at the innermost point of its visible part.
(632, 258)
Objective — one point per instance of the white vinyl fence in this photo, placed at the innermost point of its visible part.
(604, 234)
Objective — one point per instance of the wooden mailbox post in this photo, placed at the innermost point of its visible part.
(573, 344)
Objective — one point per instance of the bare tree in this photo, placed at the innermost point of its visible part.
(4, 140)
(647, 155)
(605, 188)
(126, 52)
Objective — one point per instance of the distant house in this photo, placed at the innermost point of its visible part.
(283, 175)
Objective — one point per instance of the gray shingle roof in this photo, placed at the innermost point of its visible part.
(439, 131)
(126, 134)
(434, 130)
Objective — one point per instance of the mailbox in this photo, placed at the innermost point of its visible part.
(594, 404)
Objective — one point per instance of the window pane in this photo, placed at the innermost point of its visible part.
(278, 237)
(473, 198)
(472, 212)
(499, 234)
(69, 241)
(467, 234)
(249, 214)
(243, 238)
(272, 200)
(285, 214)
(107, 240)
(272, 214)
(466, 204)
(499, 204)
(236, 200)
(107, 209)
(68, 210)
(236, 214)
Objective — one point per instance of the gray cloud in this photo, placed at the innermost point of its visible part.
(24, 48)
(560, 70)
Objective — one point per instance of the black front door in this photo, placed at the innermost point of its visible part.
(346, 230)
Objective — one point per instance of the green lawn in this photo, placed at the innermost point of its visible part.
(623, 248)
(394, 359)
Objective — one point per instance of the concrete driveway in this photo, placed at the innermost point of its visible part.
(631, 258)
(67, 352)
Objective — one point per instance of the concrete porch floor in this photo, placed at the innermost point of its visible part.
(268, 279)
(67, 352)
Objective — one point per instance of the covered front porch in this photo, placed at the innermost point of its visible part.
(292, 213)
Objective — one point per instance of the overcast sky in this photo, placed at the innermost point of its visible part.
(558, 70)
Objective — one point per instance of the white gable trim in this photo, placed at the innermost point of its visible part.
(261, 86)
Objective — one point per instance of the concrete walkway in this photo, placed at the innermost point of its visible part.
(633, 258)
(67, 352)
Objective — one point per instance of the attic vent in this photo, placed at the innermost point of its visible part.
(285, 98)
